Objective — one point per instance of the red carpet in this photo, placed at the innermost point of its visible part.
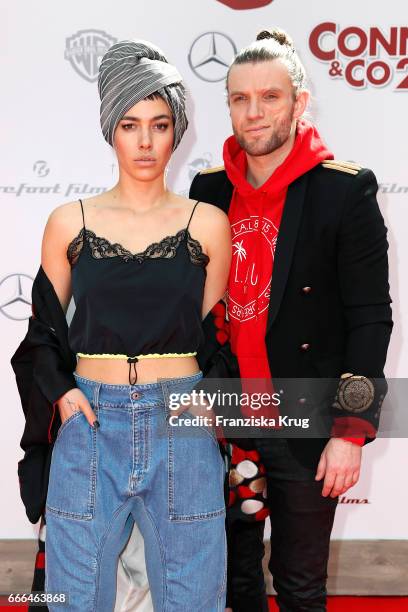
(360, 604)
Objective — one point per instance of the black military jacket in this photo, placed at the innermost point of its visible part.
(329, 310)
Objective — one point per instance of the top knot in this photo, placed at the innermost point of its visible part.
(276, 34)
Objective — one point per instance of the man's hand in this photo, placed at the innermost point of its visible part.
(339, 464)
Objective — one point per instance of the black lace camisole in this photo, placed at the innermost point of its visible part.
(140, 305)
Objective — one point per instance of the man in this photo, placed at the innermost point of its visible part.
(308, 297)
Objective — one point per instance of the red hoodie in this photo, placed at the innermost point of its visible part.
(255, 216)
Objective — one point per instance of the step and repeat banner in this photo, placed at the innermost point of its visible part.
(355, 54)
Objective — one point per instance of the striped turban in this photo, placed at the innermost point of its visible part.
(129, 72)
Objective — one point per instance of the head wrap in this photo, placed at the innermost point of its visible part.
(129, 72)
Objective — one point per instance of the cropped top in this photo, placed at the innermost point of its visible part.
(140, 305)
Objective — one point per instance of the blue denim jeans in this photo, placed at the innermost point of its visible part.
(136, 467)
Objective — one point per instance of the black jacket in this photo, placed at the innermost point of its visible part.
(43, 365)
(332, 239)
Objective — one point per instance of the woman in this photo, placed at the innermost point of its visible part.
(144, 266)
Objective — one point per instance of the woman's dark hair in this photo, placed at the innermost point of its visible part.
(270, 45)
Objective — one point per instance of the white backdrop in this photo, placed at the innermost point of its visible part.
(54, 152)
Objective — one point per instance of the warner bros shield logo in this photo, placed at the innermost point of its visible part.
(84, 51)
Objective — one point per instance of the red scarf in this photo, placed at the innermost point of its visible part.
(255, 216)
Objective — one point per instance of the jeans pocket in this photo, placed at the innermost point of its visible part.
(202, 427)
(67, 422)
(196, 473)
(72, 481)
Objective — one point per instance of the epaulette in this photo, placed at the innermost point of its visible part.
(211, 170)
(343, 166)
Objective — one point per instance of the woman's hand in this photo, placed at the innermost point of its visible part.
(73, 401)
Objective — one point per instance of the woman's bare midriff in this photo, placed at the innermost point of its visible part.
(116, 371)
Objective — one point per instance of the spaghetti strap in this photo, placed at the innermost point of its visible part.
(192, 213)
(83, 216)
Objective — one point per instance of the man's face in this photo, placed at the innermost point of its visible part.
(262, 105)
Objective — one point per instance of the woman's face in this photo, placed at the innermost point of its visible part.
(143, 139)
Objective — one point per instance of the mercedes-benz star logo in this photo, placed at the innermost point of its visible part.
(15, 296)
(210, 56)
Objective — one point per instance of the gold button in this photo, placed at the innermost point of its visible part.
(305, 346)
(306, 289)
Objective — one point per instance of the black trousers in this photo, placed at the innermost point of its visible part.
(245, 578)
(301, 523)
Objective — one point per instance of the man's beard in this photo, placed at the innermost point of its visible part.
(277, 139)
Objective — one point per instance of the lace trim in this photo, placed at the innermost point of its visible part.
(101, 248)
(148, 356)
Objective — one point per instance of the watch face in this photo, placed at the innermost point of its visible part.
(245, 4)
(356, 394)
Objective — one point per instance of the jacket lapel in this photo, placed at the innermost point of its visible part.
(285, 245)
